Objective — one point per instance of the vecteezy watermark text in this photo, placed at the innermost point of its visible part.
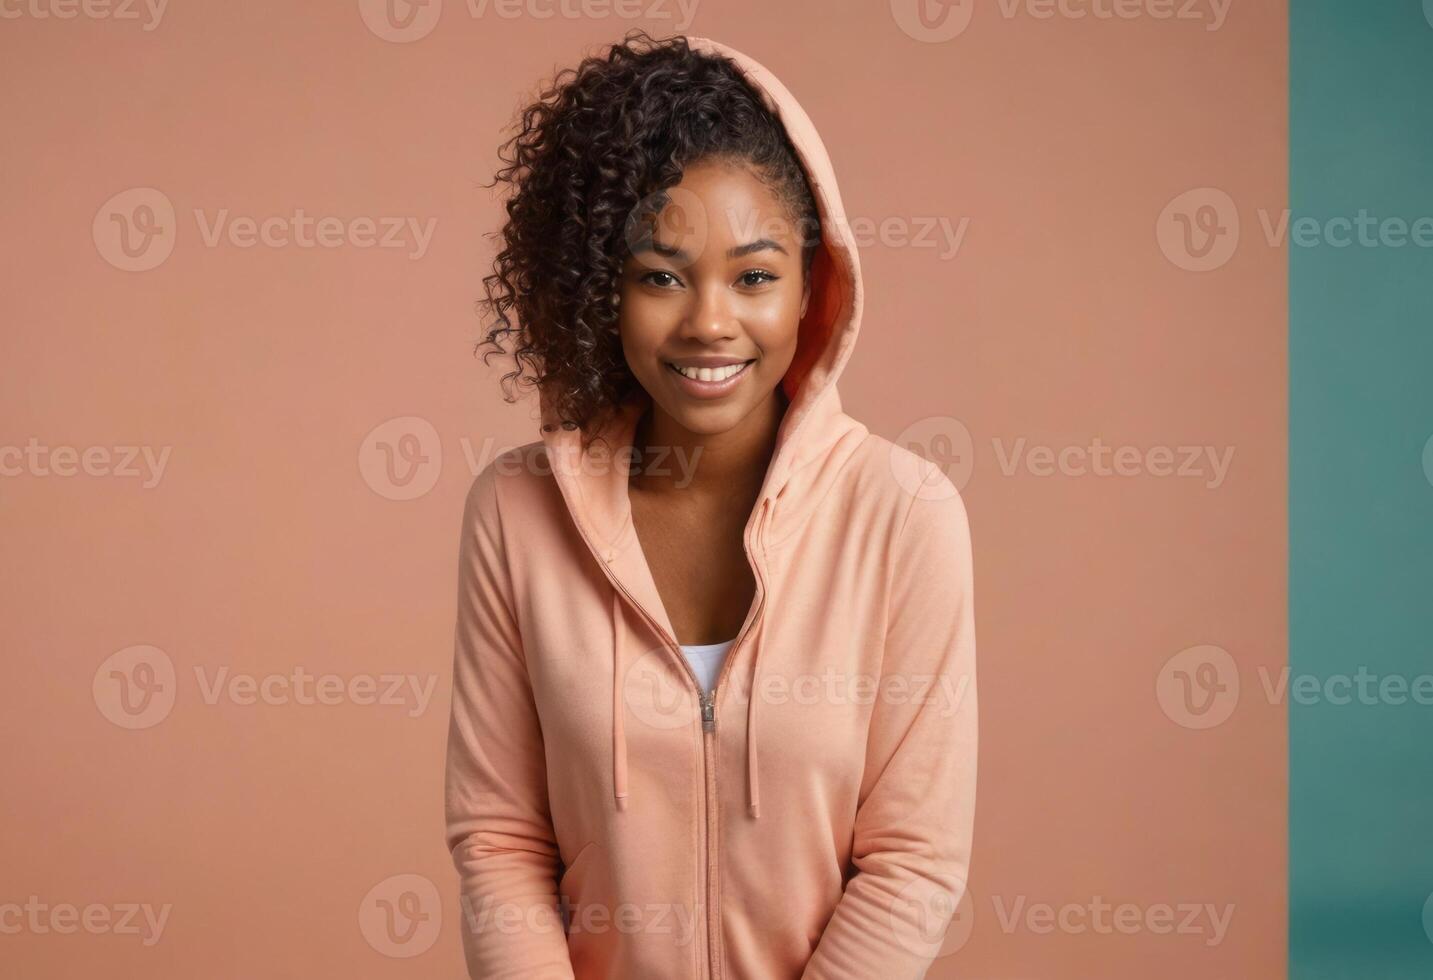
(137, 229)
(1127, 918)
(124, 462)
(488, 915)
(1209, 463)
(39, 918)
(412, 691)
(151, 12)
(136, 688)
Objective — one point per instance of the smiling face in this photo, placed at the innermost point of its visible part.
(712, 297)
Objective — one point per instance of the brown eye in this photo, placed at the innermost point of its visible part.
(659, 278)
(756, 277)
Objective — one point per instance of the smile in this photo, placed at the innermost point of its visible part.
(709, 382)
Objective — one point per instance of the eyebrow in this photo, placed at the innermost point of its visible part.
(738, 251)
(649, 244)
(735, 252)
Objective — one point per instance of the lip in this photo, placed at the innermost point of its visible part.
(707, 389)
(708, 360)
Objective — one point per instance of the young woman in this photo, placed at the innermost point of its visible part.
(714, 705)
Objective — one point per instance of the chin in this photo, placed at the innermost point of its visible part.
(710, 420)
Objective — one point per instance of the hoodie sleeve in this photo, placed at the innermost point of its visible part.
(915, 819)
(498, 826)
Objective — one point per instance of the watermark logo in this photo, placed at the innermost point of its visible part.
(135, 687)
(933, 918)
(932, 21)
(1198, 687)
(400, 21)
(1428, 452)
(402, 458)
(936, 439)
(401, 916)
(680, 218)
(656, 694)
(135, 229)
(947, 443)
(1199, 230)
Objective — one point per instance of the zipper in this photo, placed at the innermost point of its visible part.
(709, 776)
(709, 772)
(707, 701)
(709, 751)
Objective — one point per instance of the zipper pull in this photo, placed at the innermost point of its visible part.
(709, 711)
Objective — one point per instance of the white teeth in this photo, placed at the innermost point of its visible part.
(710, 374)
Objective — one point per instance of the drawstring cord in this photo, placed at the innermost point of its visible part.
(619, 733)
(753, 777)
(753, 769)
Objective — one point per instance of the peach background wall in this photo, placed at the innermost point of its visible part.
(243, 467)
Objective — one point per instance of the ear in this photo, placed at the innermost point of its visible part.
(805, 297)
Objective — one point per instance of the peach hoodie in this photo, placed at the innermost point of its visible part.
(605, 819)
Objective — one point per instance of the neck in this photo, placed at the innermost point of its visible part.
(726, 464)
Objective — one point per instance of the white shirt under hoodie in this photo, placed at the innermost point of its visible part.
(706, 659)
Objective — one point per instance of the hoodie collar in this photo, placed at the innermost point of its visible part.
(814, 438)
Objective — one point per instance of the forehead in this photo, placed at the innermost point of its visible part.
(731, 202)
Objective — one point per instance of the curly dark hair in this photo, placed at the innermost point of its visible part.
(602, 138)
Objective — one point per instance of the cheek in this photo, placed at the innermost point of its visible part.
(773, 323)
(641, 323)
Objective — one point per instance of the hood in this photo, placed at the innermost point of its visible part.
(813, 442)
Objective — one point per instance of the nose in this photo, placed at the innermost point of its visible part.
(710, 317)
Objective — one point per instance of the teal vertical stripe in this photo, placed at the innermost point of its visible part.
(1361, 490)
